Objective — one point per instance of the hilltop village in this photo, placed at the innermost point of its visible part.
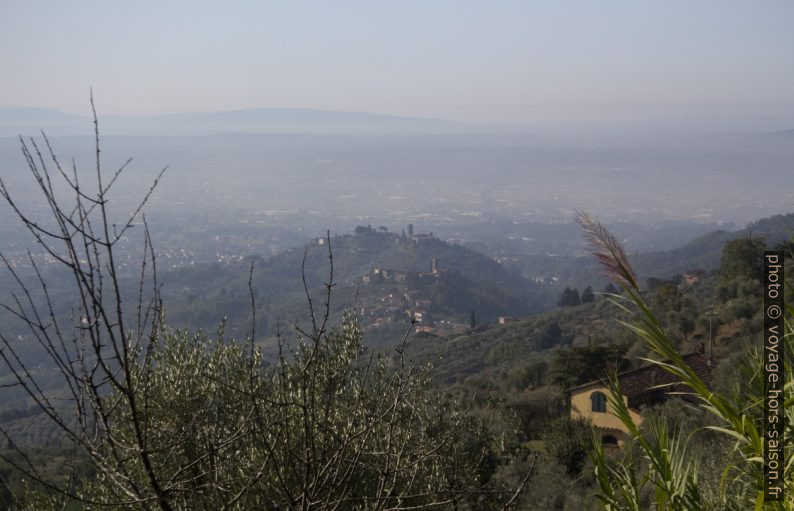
(398, 292)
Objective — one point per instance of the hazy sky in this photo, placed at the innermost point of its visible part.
(493, 61)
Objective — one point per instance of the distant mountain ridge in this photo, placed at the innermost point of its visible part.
(779, 135)
(27, 121)
(282, 115)
(704, 252)
(700, 253)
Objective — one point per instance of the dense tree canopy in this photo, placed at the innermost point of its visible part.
(742, 258)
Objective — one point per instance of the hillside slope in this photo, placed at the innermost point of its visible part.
(465, 280)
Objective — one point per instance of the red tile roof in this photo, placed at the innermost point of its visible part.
(638, 384)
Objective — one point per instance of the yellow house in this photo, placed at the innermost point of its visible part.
(640, 387)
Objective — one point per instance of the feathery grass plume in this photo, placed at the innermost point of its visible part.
(665, 462)
(738, 417)
(607, 250)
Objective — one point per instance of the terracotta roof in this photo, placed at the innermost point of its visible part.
(638, 384)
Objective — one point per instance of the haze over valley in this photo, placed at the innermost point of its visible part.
(450, 255)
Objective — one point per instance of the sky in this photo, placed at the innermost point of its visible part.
(494, 61)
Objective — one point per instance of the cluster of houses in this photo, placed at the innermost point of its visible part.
(405, 292)
(403, 277)
(413, 297)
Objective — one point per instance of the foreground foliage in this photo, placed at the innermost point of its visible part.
(327, 427)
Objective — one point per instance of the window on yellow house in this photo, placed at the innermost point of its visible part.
(599, 402)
